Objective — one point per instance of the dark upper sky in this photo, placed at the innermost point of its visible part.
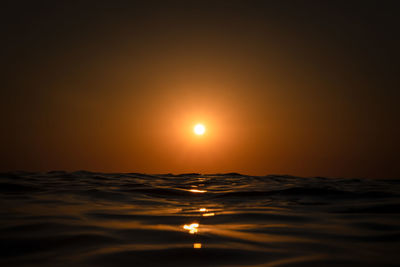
(299, 87)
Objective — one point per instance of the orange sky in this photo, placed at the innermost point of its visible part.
(121, 93)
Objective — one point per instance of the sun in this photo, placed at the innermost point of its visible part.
(199, 129)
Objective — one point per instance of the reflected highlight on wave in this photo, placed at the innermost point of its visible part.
(192, 228)
(197, 191)
(197, 245)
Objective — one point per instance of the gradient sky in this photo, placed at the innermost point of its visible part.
(308, 88)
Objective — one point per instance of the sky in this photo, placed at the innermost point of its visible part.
(306, 88)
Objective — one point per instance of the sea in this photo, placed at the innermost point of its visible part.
(86, 218)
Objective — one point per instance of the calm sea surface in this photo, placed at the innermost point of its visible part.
(100, 219)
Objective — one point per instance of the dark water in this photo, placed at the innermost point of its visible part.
(97, 219)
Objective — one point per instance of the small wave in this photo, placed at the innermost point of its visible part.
(308, 191)
(374, 209)
(17, 188)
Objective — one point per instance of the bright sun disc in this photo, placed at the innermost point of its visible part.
(199, 129)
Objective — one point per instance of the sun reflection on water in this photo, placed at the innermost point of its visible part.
(192, 228)
(197, 245)
(197, 191)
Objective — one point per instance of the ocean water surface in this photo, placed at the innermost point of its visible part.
(130, 219)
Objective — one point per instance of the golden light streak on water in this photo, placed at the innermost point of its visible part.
(197, 191)
(192, 228)
(197, 245)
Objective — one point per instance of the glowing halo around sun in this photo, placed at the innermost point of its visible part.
(199, 129)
